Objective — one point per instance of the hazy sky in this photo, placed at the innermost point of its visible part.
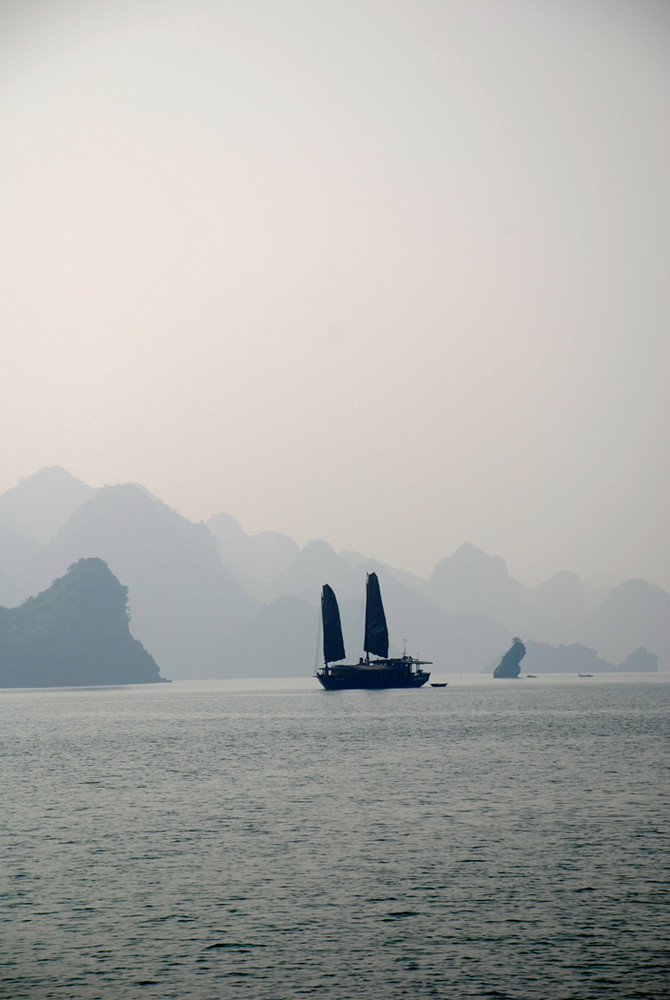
(393, 274)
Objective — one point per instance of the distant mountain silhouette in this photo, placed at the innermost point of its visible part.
(41, 504)
(279, 642)
(635, 614)
(639, 661)
(354, 558)
(473, 640)
(17, 555)
(202, 594)
(184, 602)
(256, 560)
(74, 633)
(316, 564)
(551, 608)
(576, 658)
(470, 580)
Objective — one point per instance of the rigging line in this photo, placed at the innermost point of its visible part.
(318, 639)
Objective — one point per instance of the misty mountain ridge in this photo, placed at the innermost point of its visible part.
(635, 614)
(183, 600)
(41, 504)
(17, 554)
(315, 564)
(208, 599)
(542, 658)
(257, 560)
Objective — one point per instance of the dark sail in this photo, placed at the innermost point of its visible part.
(333, 645)
(376, 632)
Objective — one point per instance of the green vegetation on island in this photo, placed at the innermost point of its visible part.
(75, 633)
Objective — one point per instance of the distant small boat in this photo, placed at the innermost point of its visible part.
(438, 684)
(585, 675)
(531, 675)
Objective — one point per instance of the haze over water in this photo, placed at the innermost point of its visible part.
(257, 839)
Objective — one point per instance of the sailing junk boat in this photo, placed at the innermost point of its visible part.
(399, 672)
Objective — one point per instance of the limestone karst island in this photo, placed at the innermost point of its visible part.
(75, 633)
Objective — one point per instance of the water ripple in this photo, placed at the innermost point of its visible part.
(185, 843)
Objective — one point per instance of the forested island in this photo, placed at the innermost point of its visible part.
(75, 633)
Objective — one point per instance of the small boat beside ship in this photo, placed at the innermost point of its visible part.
(384, 672)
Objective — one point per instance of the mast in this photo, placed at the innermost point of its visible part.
(333, 644)
(376, 632)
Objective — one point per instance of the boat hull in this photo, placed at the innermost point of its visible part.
(373, 677)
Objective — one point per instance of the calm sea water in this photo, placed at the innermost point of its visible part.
(271, 840)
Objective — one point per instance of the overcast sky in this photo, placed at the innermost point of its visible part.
(393, 274)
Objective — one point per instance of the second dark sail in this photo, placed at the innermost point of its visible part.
(376, 632)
